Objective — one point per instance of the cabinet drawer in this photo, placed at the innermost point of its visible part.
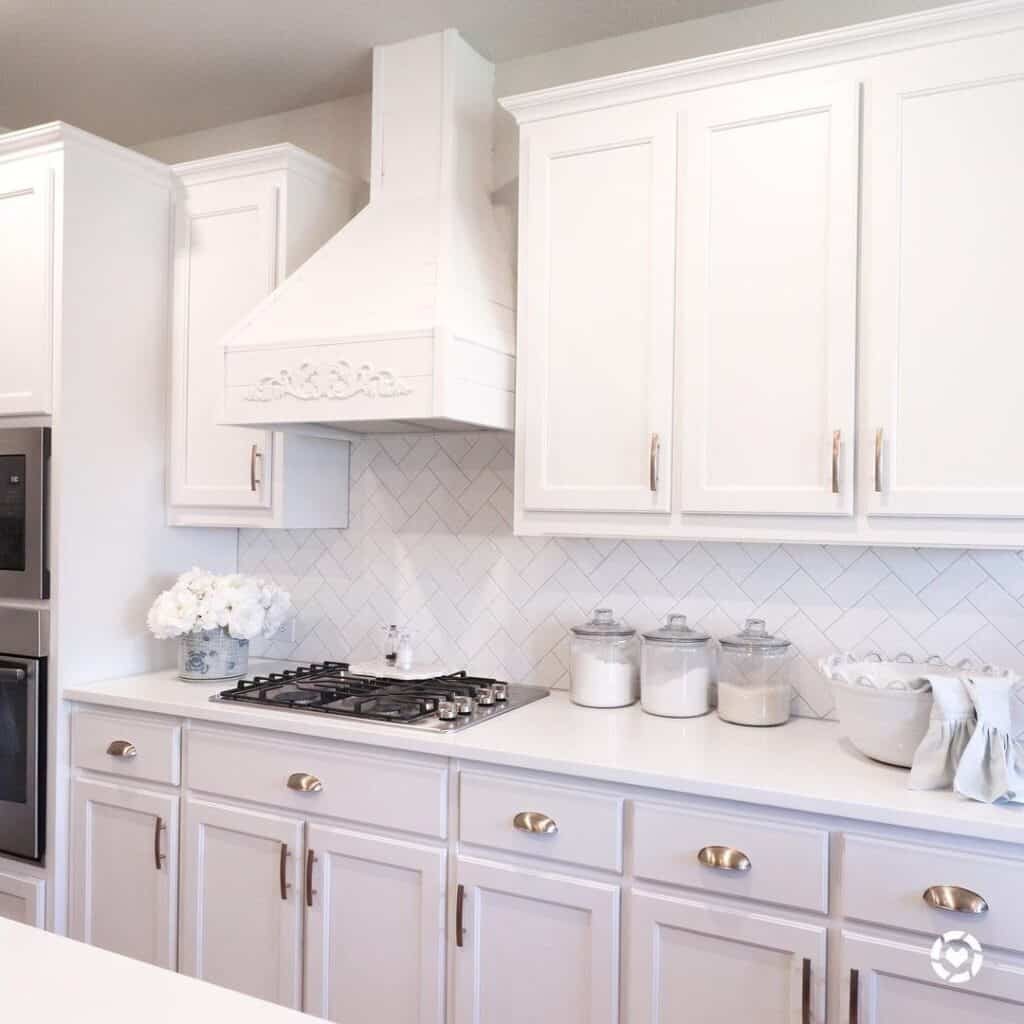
(588, 826)
(884, 882)
(788, 864)
(150, 749)
(362, 787)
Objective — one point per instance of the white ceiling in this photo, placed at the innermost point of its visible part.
(134, 70)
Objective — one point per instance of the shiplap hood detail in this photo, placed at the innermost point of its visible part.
(406, 317)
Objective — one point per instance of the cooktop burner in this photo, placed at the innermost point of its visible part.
(441, 704)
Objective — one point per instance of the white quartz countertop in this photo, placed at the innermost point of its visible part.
(47, 979)
(805, 765)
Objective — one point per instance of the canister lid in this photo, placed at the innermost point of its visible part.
(755, 637)
(677, 631)
(604, 623)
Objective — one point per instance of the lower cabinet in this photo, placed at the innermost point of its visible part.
(124, 870)
(375, 928)
(22, 899)
(694, 959)
(890, 980)
(533, 946)
(242, 901)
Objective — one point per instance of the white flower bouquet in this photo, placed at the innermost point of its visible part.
(216, 617)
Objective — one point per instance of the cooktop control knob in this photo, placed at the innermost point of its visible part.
(485, 696)
(447, 711)
(500, 692)
(464, 705)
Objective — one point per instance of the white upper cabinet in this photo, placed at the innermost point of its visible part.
(944, 312)
(767, 298)
(26, 285)
(244, 222)
(594, 381)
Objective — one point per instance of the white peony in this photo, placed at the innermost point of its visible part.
(243, 605)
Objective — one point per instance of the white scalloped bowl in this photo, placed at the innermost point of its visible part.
(886, 725)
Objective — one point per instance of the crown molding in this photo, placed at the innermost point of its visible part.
(282, 156)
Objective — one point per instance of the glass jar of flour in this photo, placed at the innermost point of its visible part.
(754, 677)
(604, 662)
(676, 670)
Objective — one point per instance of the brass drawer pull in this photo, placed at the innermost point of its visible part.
(836, 449)
(310, 891)
(122, 748)
(535, 822)
(954, 899)
(460, 899)
(284, 871)
(254, 454)
(158, 857)
(303, 783)
(655, 459)
(724, 858)
(878, 460)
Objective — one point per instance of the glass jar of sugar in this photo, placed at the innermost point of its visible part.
(604, 662)
(676, 670)
(754, 677)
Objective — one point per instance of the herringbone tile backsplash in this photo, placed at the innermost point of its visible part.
(431, 547)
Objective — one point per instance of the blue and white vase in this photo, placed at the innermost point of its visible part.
(212, 654)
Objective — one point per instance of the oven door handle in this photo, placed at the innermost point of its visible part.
(12, 675)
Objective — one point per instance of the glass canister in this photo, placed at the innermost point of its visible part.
(754, 677)
(604, 662)
(676, 670)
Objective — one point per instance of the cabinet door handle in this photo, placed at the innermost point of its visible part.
(535, 822)
(955, 899)
(158, 857)
(303, 783)
(724, 858)
(122, 748)
(655, 459)
(854, 996)
(310, 891)
(460, 899)
(254, 454)
(837, 445)
(805, 993)
(879, 435)
(283, 871)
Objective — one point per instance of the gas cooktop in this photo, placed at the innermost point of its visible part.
(441, 704)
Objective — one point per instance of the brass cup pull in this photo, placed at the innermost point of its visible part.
(954, 899)
(724, 858)
(122, 748)
(303, 783)
(158, 857)
(535, 822)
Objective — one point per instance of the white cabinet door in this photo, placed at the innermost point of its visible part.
(891, 981)
(242, 900)
(124, 870)
(26, 287)
(22, 899)
(226, 260)
(374, 928)
(534, 946)
(943, 306)
(767, 298)
(695, 960)
(594, 371)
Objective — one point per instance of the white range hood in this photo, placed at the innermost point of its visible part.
(406, 318)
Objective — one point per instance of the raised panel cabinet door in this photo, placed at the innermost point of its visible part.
(888, 980)
(943, 305)
(26, 287)
(697, 960)
(594, 374)
(227, 258)
(375, 926)
(534, 946)
(124, 870)
(242, 900)
(22, 899)
(767, 298)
